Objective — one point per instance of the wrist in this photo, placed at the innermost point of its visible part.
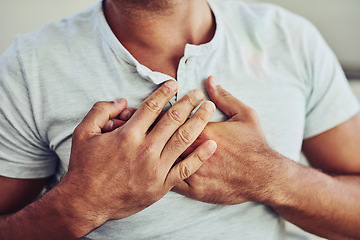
(76, 214)
(289, 181)
(279, 179)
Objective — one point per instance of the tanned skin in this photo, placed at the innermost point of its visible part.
(324, 201)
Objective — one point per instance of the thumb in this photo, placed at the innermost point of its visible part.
(227, 103)
(100, 114)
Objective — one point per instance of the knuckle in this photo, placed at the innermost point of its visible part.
(99, 105)
(251, 113)
(185, 170)
(185, 135)
(153, 105)
(200, 119)
(77, 130)
(175, 116)
(224, 94)
(102, 106)
(202, 158)
(149, 149)
(165, 89)
(189, 99)
(79, 134)
(205, 112)
(204, 117)
(126, 135)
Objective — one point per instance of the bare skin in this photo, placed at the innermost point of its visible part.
(276, 185)
(19, 193)
(264, 182)
(197, 26)
(116, 174)
(244, 168)
(180, 22)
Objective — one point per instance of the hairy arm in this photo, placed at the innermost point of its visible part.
(141, 161)
(323, 200)
(55, 216)
(326, 201)
(17, 193)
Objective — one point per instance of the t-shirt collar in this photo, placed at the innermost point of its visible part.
(156, 77)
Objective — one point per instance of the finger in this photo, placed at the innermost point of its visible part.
(112, 124)
(100, 114)
(228, 104)
(187, 133)
(175, 117)
(147, 113)
(191, 164)
(127, 114)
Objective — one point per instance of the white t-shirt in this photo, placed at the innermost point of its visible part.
(272, 60)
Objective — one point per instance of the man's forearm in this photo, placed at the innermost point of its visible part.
(321, 204)
(99, 185)
(54, 216)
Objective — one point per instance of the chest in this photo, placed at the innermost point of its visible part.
(268, 86)
(280, 109)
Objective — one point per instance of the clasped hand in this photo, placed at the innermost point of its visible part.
(243, 168)
(119, 173)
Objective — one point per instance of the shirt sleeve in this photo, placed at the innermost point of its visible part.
(330, 100)
(23, 153)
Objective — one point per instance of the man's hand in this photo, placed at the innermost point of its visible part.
(244, 168)
(119, 173)
(241, 169)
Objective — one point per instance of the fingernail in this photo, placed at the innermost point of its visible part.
(127, 115)
(209, 106)
(108, 126)
(214, 82)
(212, 146)
(172, 85)
(120, 100)
(199, 94)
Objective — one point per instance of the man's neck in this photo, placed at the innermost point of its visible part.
(157, 37)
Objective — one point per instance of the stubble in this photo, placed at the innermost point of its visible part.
(147, 7)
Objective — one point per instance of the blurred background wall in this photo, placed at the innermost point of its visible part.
(22, 16)
(337, 20)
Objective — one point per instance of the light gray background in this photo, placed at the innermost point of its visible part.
(338, 20)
